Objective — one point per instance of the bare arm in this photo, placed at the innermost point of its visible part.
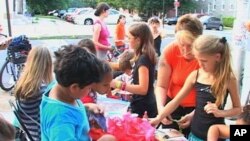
(114, 65)
(163, 78)
(234, 93)
(218, 131)
(174, 103)
(96, 35)
(235, 110)
(142, 87)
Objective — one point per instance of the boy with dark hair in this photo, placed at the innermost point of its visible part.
(63, 116)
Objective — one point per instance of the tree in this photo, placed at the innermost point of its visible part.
(43, 6)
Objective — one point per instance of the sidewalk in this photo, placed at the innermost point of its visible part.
(51, 29)
(43, 27)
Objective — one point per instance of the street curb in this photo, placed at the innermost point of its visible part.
(61, 37)
(73, 37)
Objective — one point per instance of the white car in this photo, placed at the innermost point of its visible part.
(88, 18)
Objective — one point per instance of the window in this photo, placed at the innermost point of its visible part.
(214, 7)
(222, 5)
(231, 7)
(214, 4)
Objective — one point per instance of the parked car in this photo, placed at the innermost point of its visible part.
(210, 22)
(79, 11)
(66, 12)
(52, 12)
(61, 13)
(198, 15)
(88, 18)
(170, 21)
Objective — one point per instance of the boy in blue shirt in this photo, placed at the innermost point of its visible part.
(63, 116)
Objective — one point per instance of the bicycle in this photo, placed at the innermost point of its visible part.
(113, 55)
(17, 52)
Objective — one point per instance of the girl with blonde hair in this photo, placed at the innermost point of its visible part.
(37, 74)
(213, 82)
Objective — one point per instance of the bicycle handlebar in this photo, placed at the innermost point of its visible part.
(3, 35)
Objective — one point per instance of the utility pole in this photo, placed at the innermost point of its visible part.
(240, 47)
(163, 13)
(8, 17)
(176, 5)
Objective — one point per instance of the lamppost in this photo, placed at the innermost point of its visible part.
(240, 47)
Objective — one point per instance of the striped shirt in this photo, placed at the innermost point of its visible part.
(31, 108)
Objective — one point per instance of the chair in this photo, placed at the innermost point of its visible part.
(15, 111)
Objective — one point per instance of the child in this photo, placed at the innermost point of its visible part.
(223, 131)
(154, 24)
(89, 44)
(143, 98)
(37, 74)
(212, 82)
(102, 87)
(126, 67)
(63, 117)
(120, 33)
(7, 131)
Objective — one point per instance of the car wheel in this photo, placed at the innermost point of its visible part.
(220, 28)
(88, 22)
(204, 26)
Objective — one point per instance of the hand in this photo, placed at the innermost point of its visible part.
(211, 108)
(111, 48)
(167, 120)
(155, 121)
(94, 108)
(185, 121)
(5, 43)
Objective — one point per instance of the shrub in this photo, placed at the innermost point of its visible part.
(228, 21)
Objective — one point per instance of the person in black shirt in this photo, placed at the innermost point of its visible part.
(143, 98)
(154, 24)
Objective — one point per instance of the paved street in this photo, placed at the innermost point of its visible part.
(52, 28)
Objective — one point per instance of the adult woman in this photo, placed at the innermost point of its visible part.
(213, 82)
(175, 64)
(30, 87)
(143, 99)
(101, 32)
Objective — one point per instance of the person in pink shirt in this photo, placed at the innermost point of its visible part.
(101, 32)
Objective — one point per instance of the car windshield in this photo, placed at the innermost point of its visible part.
(203, 18)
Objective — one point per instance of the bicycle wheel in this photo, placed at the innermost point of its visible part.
(7, 76)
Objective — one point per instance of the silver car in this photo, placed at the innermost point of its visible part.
(210, 22)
